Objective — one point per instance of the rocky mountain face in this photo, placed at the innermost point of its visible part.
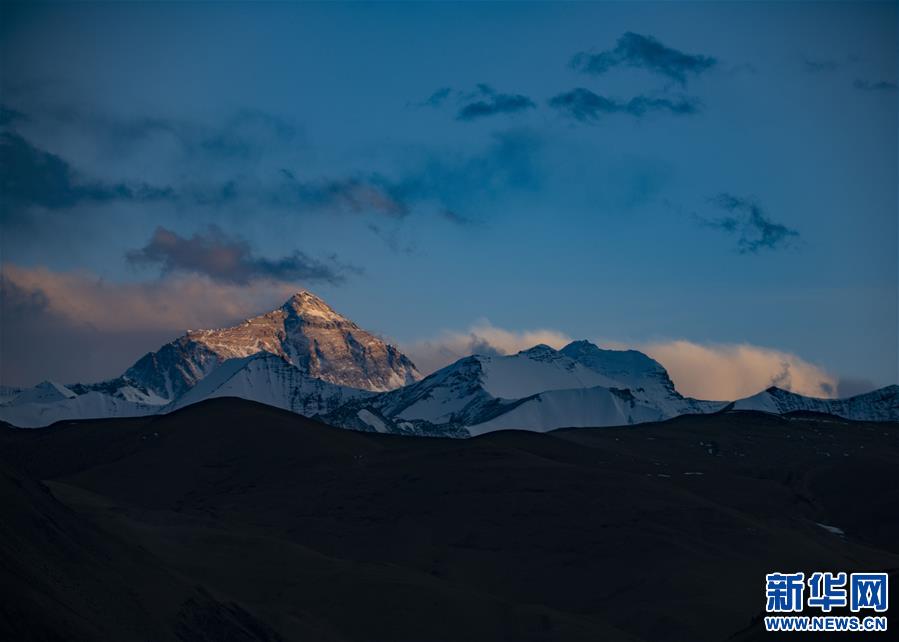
(305, 332)
(307, 358)
(303, 357)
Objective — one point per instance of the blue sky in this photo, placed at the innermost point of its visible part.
(725, 174)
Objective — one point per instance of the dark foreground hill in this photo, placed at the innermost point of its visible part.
(230, 520)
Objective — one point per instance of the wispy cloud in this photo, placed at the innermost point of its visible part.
(481, 338)
(584, 105)
(882, 85)
(819, 66)
(437, 98)
(733, 371)
(355, 194)
(9, 116)
(754, 230)
(32, 177)
(707, 371)
(70, 326)
(482, 102)
(644, 52)
(230, 259)
(456, 187)
(493, 103)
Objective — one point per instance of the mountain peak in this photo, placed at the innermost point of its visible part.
(305, 332)
(541, 349)
(302, 296)
(305, 298)
(309, 308)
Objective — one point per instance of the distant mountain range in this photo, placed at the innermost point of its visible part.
(307, 358)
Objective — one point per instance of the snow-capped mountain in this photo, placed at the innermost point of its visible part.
(305, 331)
(536, 389)
(270, 379)
(645, 377)
(303, 356)
(49, 402)
(307, 358)
(877, 405)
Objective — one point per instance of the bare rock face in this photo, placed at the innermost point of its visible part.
(305, 331)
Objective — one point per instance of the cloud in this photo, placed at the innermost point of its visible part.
(584, 105)
(753, 229)
(733, 371)
(373, 194)
(644, 52)
(229, 259)
(493, 104)
(482, 102)
(9, 116)
(246, 162)
(77, 326)
(819, 66)
(456, 186)
(245, 135)
(481, 338)
(704, 371)
(176, 302)
(882, 85)
(437, 98)
(32, 177)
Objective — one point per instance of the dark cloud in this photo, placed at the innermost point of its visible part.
(492, 103)
(455, 217)
(644, 52)
(437, 98)
(217, 168)
(230, 259)
(584, 105)
(32, 177)
(246, 134)
(482, 102)
(753, 229)
(455, 184)
(393, 239)
(882, 85)
(436, 184)
(9, 116)
(819, 66)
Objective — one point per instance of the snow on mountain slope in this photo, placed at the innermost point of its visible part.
(305, 332)
(307, 358)
(8, 393)
(121, 388)
(329, 355)
(44, 393)
(528, 390)
(536, 370)
(458, 392)
(271, 380)
(582, 407)
(91, 405)
(878, 405)
(645, 377)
